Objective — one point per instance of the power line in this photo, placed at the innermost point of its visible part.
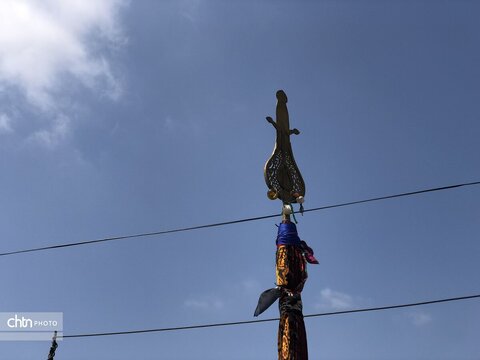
(178, 328)
(449, 187)
(164, 232)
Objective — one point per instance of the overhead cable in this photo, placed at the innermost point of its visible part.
(231, 222)
(203, 326)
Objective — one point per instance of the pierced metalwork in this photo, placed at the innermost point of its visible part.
(282, 175)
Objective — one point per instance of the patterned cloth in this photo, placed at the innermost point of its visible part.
(291, 275)
(287, 235)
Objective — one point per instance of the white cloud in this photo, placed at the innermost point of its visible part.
(251, 286)
(334, 300)
(205, 303)
(189, 9)
(5, 124)
(168, 123)
(419, 318)
(240, 293)
(52, 137)
(48, 46)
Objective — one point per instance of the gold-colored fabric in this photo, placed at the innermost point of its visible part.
(291, 275)
(285, 341)
(292, 338)
(291, 271)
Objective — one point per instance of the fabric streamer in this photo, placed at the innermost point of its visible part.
(267, 298)
(287, 237)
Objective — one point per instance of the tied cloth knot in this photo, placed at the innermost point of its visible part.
(288, 235)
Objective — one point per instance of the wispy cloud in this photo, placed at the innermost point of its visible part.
(204, 303)
(168, 123)
(334, 300)
(51, 137)
(187, 126)
(49, 47)
(250, 286)
(189, 9)
(5, 124)
(236, 294)
(419, 318)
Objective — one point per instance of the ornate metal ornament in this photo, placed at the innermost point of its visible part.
(285, 182)
(282, 175)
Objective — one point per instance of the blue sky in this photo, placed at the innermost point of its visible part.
(123, 117)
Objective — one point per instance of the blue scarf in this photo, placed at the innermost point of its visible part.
(287, 234)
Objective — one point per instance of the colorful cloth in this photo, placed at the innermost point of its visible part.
(292, 337)
(308, 253)
(287, 234)
(291, 275)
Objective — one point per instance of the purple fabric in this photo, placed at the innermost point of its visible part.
(287, 234)
(308, 253)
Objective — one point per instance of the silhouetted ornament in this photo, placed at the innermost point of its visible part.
(281, 171)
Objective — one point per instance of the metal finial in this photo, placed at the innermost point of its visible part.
(282, 175)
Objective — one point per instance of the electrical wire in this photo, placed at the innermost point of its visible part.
(203, 326)
(164, 232)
